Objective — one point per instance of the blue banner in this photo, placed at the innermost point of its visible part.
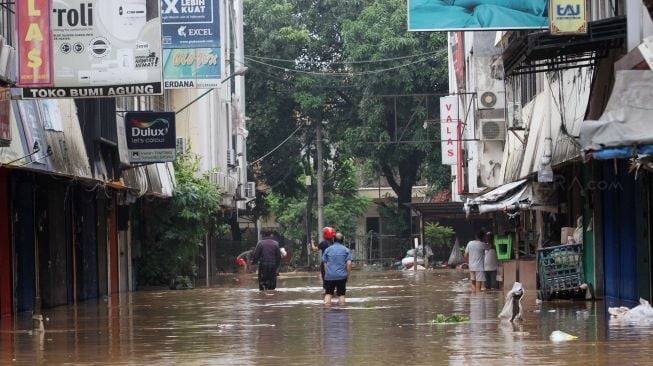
(190, 23)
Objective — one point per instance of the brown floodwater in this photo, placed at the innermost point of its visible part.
(385, 322)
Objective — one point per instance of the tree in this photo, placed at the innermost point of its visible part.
(329, 62)
(437, 235)
(176, 227)
(342, 209)
(379, 34)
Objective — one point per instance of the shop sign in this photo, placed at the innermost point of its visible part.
(449, 129)
(568, 17)
(191, 43)
(103, 49)
(34, 43)
(150, 137)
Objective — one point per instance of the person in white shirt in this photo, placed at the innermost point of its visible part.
(491, 263)
(475, 252)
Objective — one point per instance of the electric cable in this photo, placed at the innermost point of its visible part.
(275, 148)
(348, 62)
(341, 74)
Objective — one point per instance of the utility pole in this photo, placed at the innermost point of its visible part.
(309, 199)
(320, 179)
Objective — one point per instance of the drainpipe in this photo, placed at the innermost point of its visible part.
(37, 317)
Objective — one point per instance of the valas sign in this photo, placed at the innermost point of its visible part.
(34, 43)
(100, 48)
(449, 129)
(151, 137)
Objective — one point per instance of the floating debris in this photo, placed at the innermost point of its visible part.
(443, 319)
(560, 336)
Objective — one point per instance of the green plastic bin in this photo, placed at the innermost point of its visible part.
(504, 247)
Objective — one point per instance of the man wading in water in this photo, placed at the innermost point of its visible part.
(337, 261)
(268, 257)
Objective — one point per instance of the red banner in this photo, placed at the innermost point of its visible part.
(35, 66)
(5, 124)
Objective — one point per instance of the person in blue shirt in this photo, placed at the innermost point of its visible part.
(337, 261)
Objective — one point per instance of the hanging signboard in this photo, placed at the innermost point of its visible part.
(449, 129)
(568, 17)
(34, 43)
(103, 49)
(151, 137)
(5, 122)
(191, 43)
(470, 15)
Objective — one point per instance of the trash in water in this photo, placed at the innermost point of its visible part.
(512, 308)
(552, 311)
(443, 319)
(560, 336)
(643, 311)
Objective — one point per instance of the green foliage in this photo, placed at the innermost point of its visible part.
(175, 228)
(343, 206)
(395, 222)
(452, 319)
(438, 236)
(329, 62)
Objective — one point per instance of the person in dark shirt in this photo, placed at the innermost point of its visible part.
(268, 257)
(328, 234)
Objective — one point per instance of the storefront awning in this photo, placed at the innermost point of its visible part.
(551, 126)
(626, 121)
(522, 194)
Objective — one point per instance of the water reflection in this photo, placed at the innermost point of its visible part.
(336, 335)
(386, 321)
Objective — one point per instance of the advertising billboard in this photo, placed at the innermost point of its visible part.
(34, 43)
(104, 49)
(5, 122)
(568, 17)
(452, 15)
(151, 137)
(191, 43)
(449, 129)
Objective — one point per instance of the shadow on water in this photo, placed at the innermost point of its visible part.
(387, 320)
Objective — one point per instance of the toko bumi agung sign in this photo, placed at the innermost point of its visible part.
(151, 137)
(94, 48)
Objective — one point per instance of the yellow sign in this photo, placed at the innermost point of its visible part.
(568, 16)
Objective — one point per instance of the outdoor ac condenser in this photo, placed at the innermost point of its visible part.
(493, 130)
(490, 99)
(231, 158)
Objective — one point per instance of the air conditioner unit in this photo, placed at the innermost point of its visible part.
(493, 130)
(241, 194)
(231, 158)
(7, 54)
(250, 190)
(488, 99)
(181, 146)
(214, 178)
(515, 118)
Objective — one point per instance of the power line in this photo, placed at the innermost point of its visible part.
(278, 146)
(335, 73)
(348, 62)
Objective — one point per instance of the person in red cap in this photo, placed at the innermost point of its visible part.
(328, 233)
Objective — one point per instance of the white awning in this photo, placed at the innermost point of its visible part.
(627, 117)
(551, 120)
(522, 195)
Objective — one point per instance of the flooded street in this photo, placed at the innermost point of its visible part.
(386, 321)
